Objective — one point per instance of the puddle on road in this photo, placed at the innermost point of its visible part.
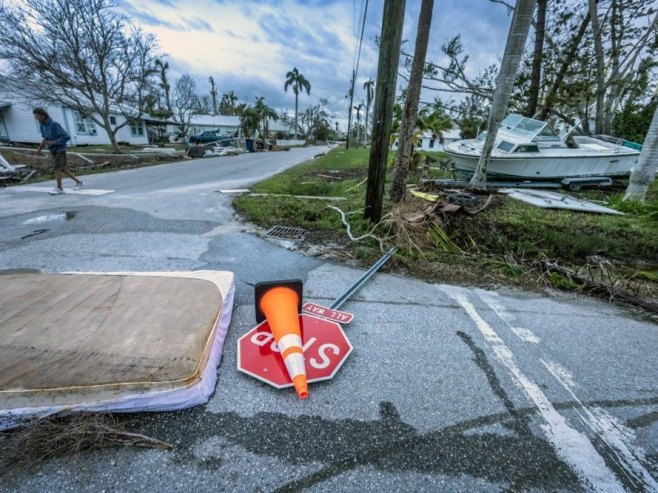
(64, 216)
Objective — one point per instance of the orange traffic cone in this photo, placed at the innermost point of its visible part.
(281, 302)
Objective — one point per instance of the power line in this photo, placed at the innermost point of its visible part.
(363, 28)
(355, 72)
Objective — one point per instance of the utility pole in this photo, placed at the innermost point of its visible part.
(387, 74)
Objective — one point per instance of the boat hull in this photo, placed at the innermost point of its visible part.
(544, 165)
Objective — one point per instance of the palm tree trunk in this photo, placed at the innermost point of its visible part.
(647, 164)
(296, 99)
(367, 113)
(535, 82)
(518, 34)
(600, 69)
(408, 123)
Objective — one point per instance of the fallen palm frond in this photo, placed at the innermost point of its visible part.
(409, 228)
(47, 438)
(441, 239)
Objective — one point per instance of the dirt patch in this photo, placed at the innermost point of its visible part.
(81, 162)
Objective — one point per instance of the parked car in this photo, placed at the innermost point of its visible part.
(204, 138)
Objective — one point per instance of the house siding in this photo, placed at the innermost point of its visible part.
(428, 143)
(21, 126)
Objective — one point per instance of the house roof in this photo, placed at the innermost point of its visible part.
(279, 126)
(158, 121)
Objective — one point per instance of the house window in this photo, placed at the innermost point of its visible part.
(136, 128)
(84, 125)
(113, 120)
(431, 143)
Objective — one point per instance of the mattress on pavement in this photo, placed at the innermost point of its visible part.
(110, 341)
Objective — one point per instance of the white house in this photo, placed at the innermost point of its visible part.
(17, 124)
(432, 144)
(278, 126)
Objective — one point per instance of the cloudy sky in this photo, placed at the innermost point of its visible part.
(248, 45)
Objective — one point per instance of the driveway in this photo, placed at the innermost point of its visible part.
(447, 388)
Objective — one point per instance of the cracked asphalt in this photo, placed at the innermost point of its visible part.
(447, 388)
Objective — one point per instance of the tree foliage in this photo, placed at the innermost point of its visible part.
(298, 83)
(82, 54)
(572, 78)
(227, 105)
(185, 101)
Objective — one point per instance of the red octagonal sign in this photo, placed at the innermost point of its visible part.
(325, 349)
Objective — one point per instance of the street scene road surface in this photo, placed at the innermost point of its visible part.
(447, 388)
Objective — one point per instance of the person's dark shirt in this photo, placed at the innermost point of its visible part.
(51, 130)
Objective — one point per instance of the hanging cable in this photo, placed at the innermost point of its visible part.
(355, 73)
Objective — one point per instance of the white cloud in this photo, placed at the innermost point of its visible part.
(248, 46)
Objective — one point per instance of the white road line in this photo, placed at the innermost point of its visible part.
(630, 458)
(522, 333)
(67, 191)
(571, 446)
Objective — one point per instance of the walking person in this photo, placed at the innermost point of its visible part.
(55, 139)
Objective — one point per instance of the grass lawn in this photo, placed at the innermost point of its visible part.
(509, 242)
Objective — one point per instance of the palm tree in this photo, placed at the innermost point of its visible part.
(164, 83)
(227, 104)
(249, 119)
(408, 123)
(358, 109)
(644, 171)
(516, 38)
(265, 112)
(369, 87)
(298, 83)
(434, 121)
(213, 93)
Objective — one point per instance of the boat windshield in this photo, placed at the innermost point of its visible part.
(503, 145)
(529, 129)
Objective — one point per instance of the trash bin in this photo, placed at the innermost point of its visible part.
(250, 144)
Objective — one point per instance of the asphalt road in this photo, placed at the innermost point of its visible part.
(447, 388)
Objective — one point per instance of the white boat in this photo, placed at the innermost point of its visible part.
(532, 150)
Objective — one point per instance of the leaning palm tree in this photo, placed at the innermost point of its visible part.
(369, 87)
(516, 38)
(645, 170)
(298, 83)
(412, 97)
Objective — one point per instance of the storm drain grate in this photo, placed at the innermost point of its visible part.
(286, 232)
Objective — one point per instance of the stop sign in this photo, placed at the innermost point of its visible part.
(325, 349)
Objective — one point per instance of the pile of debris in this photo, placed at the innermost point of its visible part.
(446, 200)
(14, 173)
(214, 149)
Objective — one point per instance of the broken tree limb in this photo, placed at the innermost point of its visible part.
(599, 289)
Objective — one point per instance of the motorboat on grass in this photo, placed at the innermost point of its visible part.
(531, 149)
